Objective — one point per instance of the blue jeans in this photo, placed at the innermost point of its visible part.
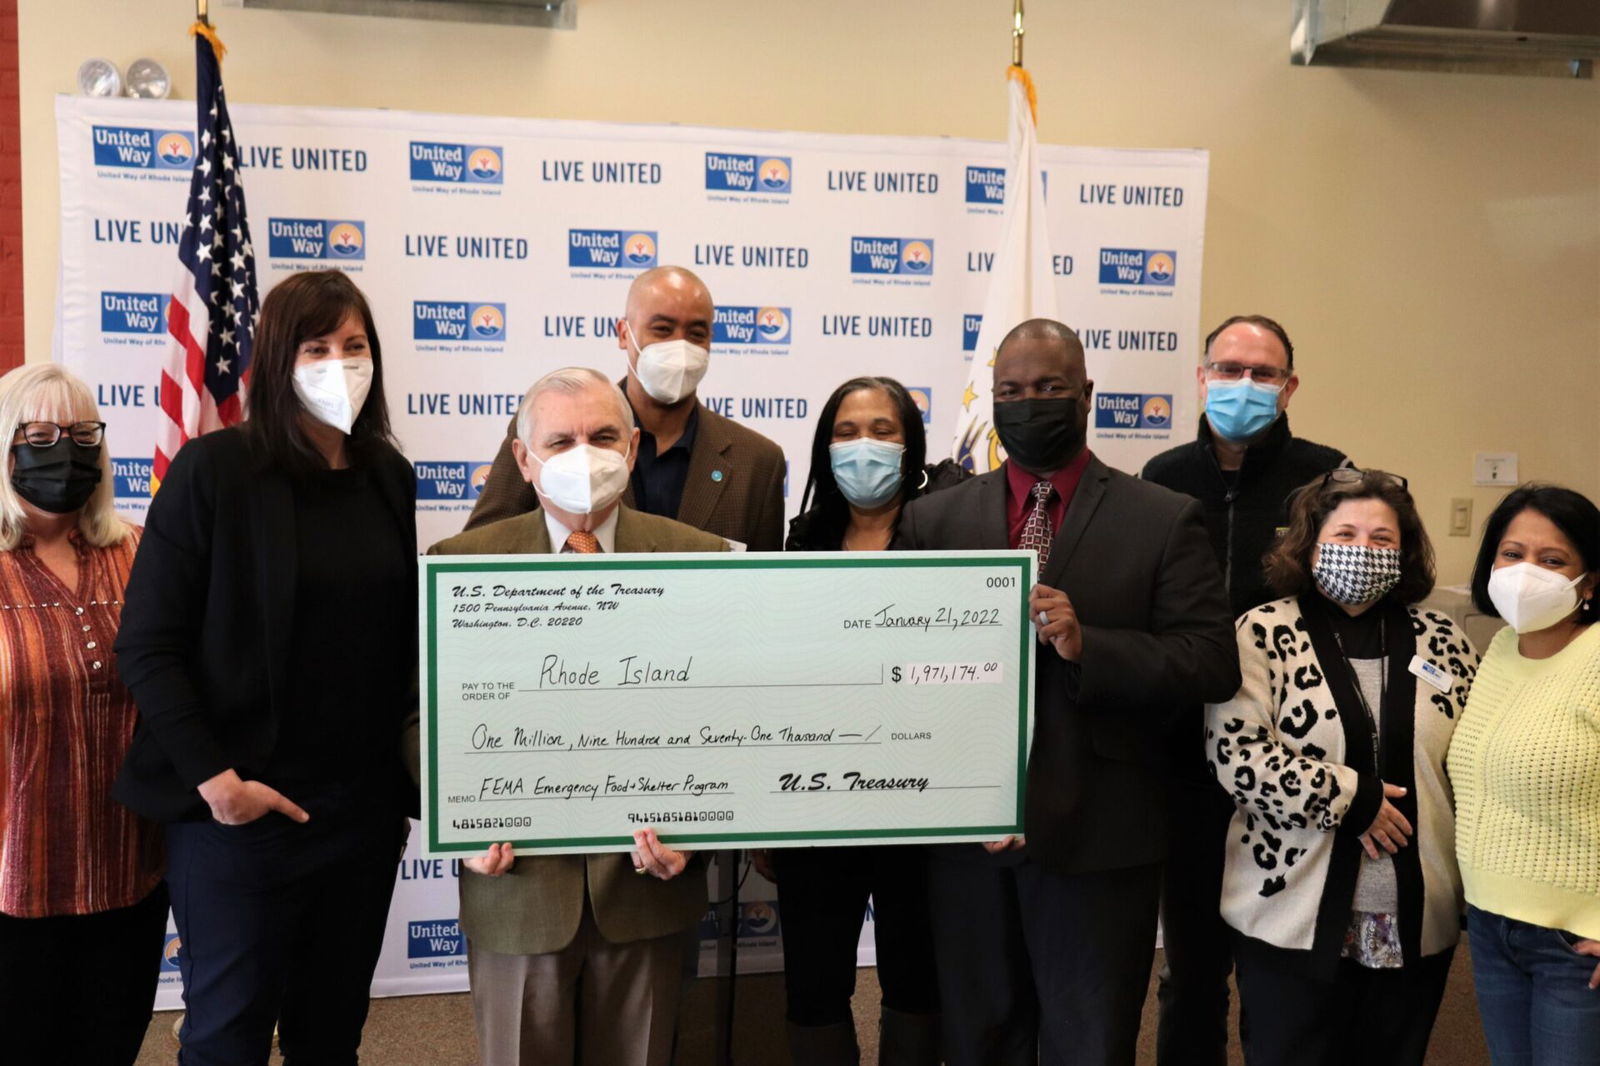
(1533, 993)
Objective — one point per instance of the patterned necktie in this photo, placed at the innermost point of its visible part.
(580, 541)
(1037, 532)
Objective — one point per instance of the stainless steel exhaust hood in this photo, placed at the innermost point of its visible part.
(1559, 38)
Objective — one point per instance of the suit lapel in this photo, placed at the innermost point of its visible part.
(992, 528)
(630, 537)
(534, 536)
(1091, 489)
(709, 470)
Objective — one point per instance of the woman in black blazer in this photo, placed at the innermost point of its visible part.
(269, 641)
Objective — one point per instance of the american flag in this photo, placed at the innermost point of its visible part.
(214, 302)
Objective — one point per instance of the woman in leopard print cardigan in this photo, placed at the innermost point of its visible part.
(1341, 883)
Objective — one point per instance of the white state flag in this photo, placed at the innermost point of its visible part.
(1021, 285)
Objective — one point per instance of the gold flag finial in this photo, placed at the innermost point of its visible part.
(1016, 33)
(201, 12)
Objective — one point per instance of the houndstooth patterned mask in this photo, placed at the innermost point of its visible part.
(1354, 574)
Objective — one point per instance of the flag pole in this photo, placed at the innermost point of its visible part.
(1016, 31)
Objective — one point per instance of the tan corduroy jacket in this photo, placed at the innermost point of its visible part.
(536, 907)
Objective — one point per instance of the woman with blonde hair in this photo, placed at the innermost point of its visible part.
(83, 911)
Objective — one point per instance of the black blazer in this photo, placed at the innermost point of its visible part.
(1157, 639)
(205, 634)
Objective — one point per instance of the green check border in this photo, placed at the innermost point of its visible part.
(433, 568)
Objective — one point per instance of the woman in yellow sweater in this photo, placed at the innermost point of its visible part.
(1525, 764)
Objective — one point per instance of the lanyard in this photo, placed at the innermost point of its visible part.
(1383, 686)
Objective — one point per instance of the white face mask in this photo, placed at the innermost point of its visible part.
(333, 390)
(583, 479)
(669, 370)
(1531, 598)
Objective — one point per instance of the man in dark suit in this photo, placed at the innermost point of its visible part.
(694, 465)
(1044, 943)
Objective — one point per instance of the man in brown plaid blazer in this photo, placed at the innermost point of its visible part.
(694, 465)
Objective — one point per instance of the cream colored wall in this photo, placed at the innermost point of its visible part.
(1431, 241)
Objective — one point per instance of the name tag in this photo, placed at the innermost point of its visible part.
(1431, 674)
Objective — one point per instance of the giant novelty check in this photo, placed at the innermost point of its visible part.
(727, 699)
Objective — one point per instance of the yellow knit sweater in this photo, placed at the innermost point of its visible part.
(1525, 765)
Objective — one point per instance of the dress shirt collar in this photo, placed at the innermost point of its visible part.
(605, 533)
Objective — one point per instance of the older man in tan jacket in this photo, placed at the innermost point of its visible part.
(578, 958)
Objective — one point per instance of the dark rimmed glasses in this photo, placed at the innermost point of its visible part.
(46, 434)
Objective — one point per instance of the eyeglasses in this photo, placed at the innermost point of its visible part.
(46, 434)
(1350, 475)
(1234, 371)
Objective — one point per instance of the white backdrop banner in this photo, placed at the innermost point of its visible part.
(495, 249)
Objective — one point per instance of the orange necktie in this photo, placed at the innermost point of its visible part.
(580, 541)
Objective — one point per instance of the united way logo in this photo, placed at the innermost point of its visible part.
(758, 918)
(1132, 266)
(484, 165)
(775, 175)
(770, 326)
(435, 939)
(129, 146)
(736, 172)
(131, 478)
(134, 312)
(458, 320)
(489, 322)
(1133, 410)
(348, 240)
(922, 396)
(891, 255)
(970, 327)
(450, 480)
(175, 150)
(171, 952)
(986, 185)
(312, 238)
(611, 249)
(639, 250)
(457, 163)
(917, 258)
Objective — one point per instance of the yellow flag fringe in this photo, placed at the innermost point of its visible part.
(1019, 74)
(209, 32)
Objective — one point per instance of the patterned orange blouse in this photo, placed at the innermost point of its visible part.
(65, 722)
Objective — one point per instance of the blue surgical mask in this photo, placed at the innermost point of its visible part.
(1240, 410)
(867, 471)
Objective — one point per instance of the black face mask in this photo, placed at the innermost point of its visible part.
(1041, 435)
(59, 479)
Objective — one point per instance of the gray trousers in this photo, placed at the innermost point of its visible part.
(593, 1003)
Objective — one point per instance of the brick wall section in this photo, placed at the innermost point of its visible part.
(11, 335)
